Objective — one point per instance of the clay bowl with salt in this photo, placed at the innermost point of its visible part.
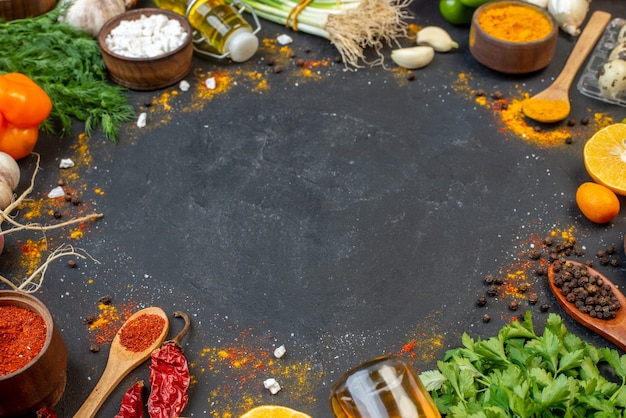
(20, 9)
(513, 37)
(143, 69)
(40, 383)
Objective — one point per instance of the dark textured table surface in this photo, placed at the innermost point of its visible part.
(342, 214)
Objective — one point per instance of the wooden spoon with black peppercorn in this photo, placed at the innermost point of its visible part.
(140, 335)
(613, 329)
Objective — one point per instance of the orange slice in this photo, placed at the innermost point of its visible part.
(605, 157)
(274, 411)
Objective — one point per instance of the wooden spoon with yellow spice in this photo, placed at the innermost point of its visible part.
(552, 104)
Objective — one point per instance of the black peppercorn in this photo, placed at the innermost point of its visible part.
(94, 348)
(482, 301)
(513, 305)
(544, 307)
(486, 318)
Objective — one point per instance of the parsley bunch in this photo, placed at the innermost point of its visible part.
(520, 374)
(66, 62)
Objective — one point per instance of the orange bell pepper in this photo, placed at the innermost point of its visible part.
(23, 106)
(22, 102)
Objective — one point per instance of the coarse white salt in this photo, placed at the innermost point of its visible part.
(210, 83)
(146, 37)
(284, 39)
(56, 192)
(66, 163)
(272, 385)
(141, 120)
(184, 85)
(280, 351)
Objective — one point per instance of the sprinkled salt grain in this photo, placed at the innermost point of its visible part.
(66, 163)
(272, 385)
(141, 120)
(184, 85)
(284, 39)
(280, 351)
(146, 37)
(56, 192)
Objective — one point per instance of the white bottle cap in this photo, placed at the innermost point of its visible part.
(242, 45)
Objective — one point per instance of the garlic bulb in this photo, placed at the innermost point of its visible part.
(6, 195)
(9, 170)
(569, 14)
(91, 15)
(541, 3)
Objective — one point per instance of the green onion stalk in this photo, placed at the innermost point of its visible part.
(352, 26)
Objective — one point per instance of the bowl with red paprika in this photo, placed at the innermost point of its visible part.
(33, 356)
(513, 37)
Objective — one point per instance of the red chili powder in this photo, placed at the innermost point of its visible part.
(139, 333)
(22, 336)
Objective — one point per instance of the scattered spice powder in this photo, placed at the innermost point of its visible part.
(508, 113)
(243, 368)
(22, 336)
(138, 334)
(108, 321)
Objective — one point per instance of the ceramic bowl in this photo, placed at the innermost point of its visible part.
(511, 57)
(147, 73)
(41, 382)
(19, 9)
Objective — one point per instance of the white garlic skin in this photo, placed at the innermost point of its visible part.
(612, 78)
(569, 14)
(437, 38)
(414, 57)
(9, 170)
(6, 195)
(91, 15)
(541, 3)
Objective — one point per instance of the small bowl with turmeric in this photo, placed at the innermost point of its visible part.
(513, 37)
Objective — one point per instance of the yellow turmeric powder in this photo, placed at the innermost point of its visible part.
(514, 23)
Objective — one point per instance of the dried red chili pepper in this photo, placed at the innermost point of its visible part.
(169, 377)
(46, 412)
(132, 402)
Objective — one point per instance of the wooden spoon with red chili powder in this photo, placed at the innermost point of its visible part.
(143, 332)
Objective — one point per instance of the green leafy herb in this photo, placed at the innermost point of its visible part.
(67, 64)
(524, 375)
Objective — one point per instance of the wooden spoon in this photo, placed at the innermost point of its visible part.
(614, 329)
(556, 96)
(121, 361)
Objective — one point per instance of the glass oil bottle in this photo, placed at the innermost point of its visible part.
(220, 31)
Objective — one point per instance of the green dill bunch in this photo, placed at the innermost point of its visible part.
(66, 62)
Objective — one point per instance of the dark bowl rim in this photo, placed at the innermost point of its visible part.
(553, 33)
(114, 21)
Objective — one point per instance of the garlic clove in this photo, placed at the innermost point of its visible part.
(437, 38)
(413, 57)
(9, 170)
